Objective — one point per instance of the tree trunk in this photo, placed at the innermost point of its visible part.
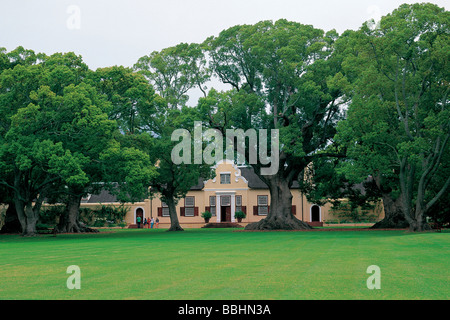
(414, 216)
(28, 217)
(27, 214)
(174, 223)
(280, 215)
(69, 221)
(417, 222)
(12, 223)
(393, 214)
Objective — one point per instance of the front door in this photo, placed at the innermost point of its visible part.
(225, 214)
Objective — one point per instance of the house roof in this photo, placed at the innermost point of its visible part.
(103, 197)
(254, 182)
(199, 185)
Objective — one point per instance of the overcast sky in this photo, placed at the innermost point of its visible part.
(115, 32)
(118, 32)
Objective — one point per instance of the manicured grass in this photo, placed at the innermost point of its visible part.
(222, 264)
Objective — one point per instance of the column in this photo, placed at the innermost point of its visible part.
(233, 207)
(218, 211)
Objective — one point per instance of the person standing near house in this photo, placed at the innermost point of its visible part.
(152, 222)
(157, 222)
(145, 222)
(138, 220)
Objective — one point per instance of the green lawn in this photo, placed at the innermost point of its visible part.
(222, 264)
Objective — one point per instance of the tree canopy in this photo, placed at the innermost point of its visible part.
(57, 137)
(398, 118)
(369, 105)
(282, 75)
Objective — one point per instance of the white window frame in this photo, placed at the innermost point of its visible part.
(223, 203)
(263, 208)
(189, 209)
(238, 203)
(189, 205)
(225, 181)
(212, 205)
(266, 203)
(165, 209)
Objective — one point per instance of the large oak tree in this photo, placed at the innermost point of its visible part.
(282, 75)
(57, 142)
(398, 121)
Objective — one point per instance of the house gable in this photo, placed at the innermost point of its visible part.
(228, 176)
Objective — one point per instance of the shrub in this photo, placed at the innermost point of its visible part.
(43, 226)
(239, 215)
(87, 216)
(49, 215)
(122, 224)
(100, 223)
(348, 212)
(110, 214)
(206, 215)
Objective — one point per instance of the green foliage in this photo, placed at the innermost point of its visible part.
(284, 76)
(129, 171)
(64, 128)
(175, 180)
(49, 215)
(107, 215)
(239, 215)
(397, 121)
(206, 215)
(350, 212)
(87, 216)
(112, 213)
(56, 134)
(130, 95)
(174, 71)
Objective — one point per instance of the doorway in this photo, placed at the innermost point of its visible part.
(225, 214)
(140, 213)
(315, 213)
